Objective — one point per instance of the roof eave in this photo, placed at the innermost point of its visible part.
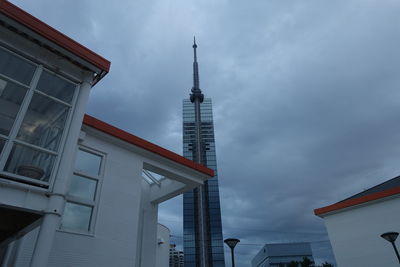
(56, 39)
(139, 142)
(340, 206)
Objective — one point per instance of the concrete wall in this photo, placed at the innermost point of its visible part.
(355, 234)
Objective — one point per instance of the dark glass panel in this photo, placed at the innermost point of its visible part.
(87, 162)
(190, 250)
(76, 217)
(30, 163)
(2, 143)
(82, 187)
(11, 96)
(55, 86)
(44, 123)
(16, 68)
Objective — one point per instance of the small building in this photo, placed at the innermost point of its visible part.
(281, 254)
(74, 190)
(355, 224)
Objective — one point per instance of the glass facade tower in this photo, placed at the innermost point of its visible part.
(204, 224)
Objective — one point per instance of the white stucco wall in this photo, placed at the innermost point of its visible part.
(163, 242)
(355, 234)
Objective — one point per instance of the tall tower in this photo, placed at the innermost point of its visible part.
(203, 242)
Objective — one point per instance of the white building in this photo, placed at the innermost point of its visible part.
(74, 191)
(282, 254)
(355, 224)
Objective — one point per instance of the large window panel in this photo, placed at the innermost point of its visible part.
(44, 123)
(30, 163)
(53, 85)
(82, 187)
(76, 217)
(11, 96)
(16, 68)
(34, 112)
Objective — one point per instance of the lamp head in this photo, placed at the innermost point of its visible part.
(390, 236)
(231, 242)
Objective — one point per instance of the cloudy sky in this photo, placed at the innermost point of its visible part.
(306, 98)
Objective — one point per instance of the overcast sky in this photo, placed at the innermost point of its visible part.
(306, 98)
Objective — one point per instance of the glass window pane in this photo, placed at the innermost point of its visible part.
(55, 86)
(82, 187)
(11, 96)
(44, 123)
(16, 68)
(76, 217)
(29, 162)
(88, 163)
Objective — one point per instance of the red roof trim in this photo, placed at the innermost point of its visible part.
(137, 141)
(357, 201)
(53, 35)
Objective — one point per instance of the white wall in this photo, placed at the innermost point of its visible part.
(117, 218)
(355, 234)
(163, 241)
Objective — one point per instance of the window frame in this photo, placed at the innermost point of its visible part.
(94, 204)
(11, 139)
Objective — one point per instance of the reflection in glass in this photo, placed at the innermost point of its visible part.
(76, 217)
(88, 163)
(82, 187)
(55, 86)
(44, 123)
(16, 68)
(11, 96)
(30, 163)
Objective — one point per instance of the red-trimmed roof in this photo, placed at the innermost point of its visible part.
(137, 141)
(357, 201)
(53, 35)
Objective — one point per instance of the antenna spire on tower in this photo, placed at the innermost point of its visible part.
(196, 92)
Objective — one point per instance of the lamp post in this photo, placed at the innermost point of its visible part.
(391, 237)
(232, 242)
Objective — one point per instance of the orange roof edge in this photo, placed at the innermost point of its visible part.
(357, 201)
(137, 141)
(41, 28)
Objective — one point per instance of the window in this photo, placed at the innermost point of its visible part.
(35, 106)
(82, 193)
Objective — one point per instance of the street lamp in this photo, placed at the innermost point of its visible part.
(391, 237)
(232, 242)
